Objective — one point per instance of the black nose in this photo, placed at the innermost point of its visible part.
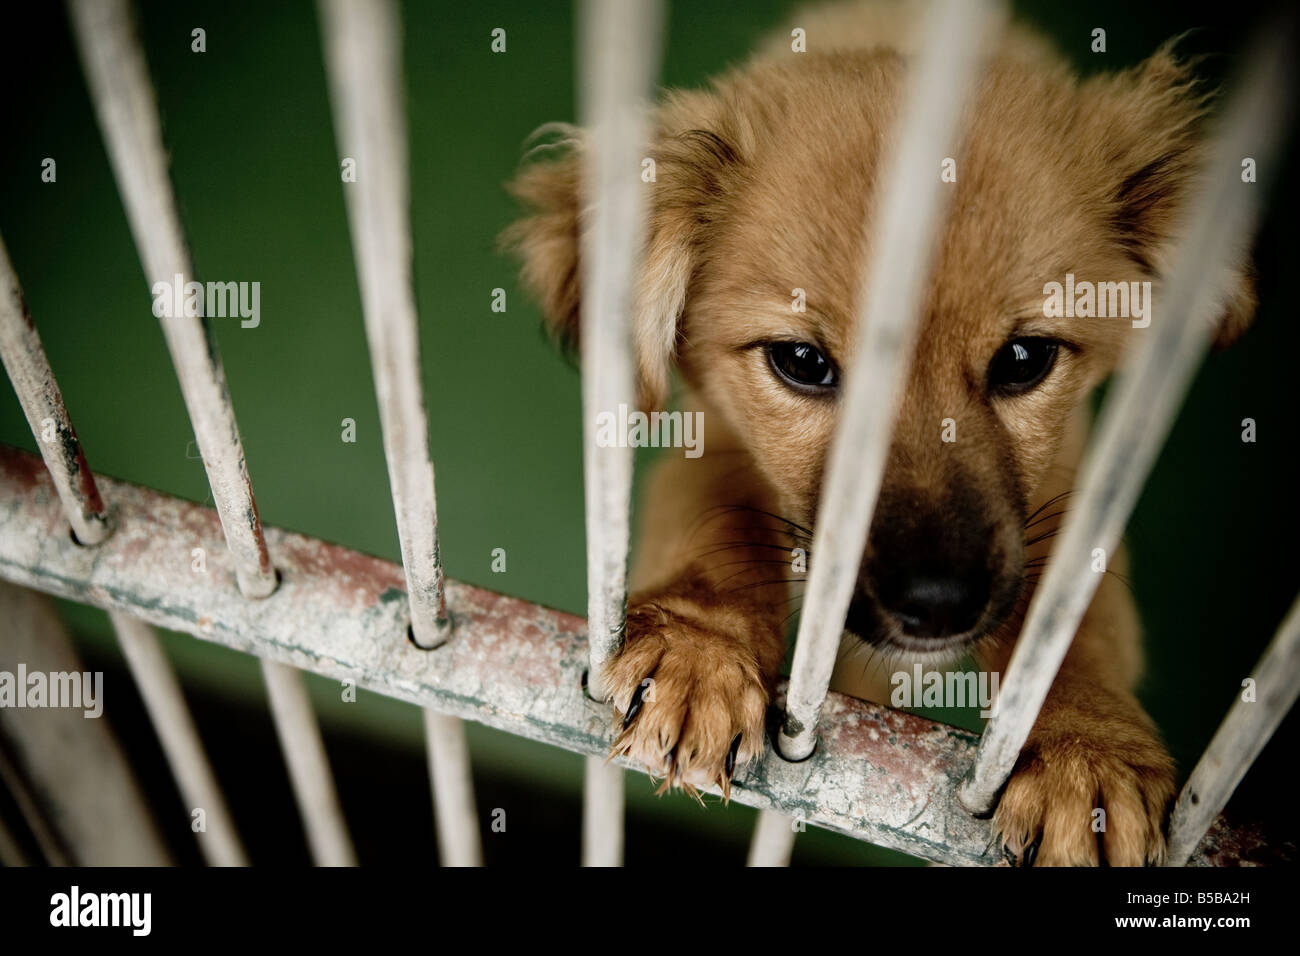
(928, 604)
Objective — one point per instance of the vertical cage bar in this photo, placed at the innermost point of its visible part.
(1239, 740)
(453, 791)
(910, 206)
(171, 719)
(25, 802)
(618, 47)
(128, 117)
(86, 801)
(1138, 414)
(619, 54)
(602, 813)
(603, 788)
(38, 393)
(363, 52)
(773, 840)
(309, 771)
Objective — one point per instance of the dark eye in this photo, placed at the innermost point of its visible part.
(1021, 364)
(802, 365)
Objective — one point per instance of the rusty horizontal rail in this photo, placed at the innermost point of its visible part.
(879, 775)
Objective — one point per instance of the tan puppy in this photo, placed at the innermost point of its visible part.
(764, 185)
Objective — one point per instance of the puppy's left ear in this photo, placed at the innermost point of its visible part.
(690, 158)
(1149, 129)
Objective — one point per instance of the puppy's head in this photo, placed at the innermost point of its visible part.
(759, 228)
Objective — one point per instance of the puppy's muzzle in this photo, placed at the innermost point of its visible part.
(933, 575)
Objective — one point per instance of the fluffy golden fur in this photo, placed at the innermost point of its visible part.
(765, 184)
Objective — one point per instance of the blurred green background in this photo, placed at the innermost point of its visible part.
(256, 172)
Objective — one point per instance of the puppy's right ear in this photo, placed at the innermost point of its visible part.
(690, 158)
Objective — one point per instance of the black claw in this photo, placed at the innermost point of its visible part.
(634, 707)
(1031, 854)
(1009, 856)
(731, 756)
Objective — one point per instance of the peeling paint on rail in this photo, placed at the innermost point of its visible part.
(879, 775)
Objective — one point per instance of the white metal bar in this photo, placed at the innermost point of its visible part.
(363, 52)
(910, 204)
(1239, 740)
(602, 813)
(29, 809)
(38, 393)
(1138, 415)
(619, 56)
(304, 752)
(619, 48)
(128, 117)
(84, 787)
(219, 841)
(773, 840)
(453, 791)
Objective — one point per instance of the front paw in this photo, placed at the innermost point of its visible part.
(1087, 791)
(690, 695)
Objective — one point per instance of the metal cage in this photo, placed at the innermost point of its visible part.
(464, 653)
